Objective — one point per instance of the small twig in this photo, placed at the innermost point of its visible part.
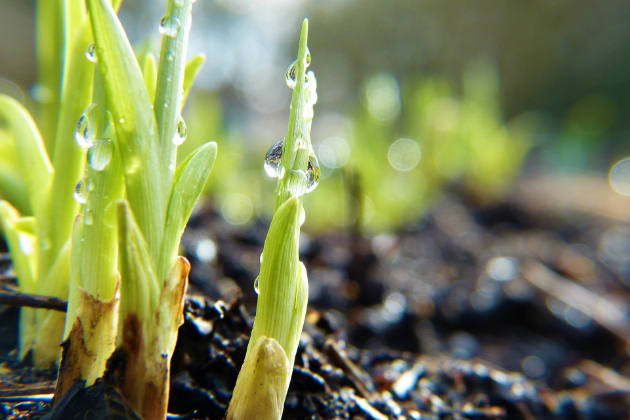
(600, 309)
(606, 375)
(33, 301)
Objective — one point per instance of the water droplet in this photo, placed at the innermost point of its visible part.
(272, 159)
(310, 93)
(308, 57)
(290, 76)
(90, 185)
(169, 26)
(313, 173)
(100, 154)
(180, 133)
(261, 257)
(90, 53)
(256, 285)
(171, 56)
(88, 217)
(84, 133)
(80, 191)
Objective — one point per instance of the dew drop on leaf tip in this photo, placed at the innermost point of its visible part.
(169, 26)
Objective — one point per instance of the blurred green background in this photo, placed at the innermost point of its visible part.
(414, 96)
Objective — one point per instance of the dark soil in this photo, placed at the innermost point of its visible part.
(472, 312)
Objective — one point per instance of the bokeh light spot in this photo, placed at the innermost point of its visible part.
(620, 177)
(404, 154)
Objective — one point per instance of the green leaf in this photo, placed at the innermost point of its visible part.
(190, 178)
(136, 130)
(190, 73)
(140, 290)
(149, 72)
(280, 283)
(50, 34)
(168, 95)
(21, 246)
(35, 164)
(68, 158)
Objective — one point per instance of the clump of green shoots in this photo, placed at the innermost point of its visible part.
(137, 204)
(282, 285)
(123, 118)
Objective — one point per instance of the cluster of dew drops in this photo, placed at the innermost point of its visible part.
(274, 155)
(99, 145)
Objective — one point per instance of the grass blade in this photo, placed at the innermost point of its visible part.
(136, 130)
(190, 73)
(190, 178)
(36, 167)
(175, 26)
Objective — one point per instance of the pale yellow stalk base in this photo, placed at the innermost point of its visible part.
(262, 383)
(48, 336)
(91, 342)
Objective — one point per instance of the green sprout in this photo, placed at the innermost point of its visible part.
(282, 286)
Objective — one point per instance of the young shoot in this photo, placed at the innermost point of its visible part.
(282, 286)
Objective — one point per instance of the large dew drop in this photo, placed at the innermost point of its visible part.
(180, 132)
(80, 191)
(100, 154)
(90, 53)
(169, 26)
(272, 160)
(272, 167)
(84, 133)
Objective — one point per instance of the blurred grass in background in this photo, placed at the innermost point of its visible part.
(414, 96)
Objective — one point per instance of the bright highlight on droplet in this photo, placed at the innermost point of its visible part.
(620, 177)
(404, 154)
(237, 209)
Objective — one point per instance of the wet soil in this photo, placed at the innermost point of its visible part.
(497, 312)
